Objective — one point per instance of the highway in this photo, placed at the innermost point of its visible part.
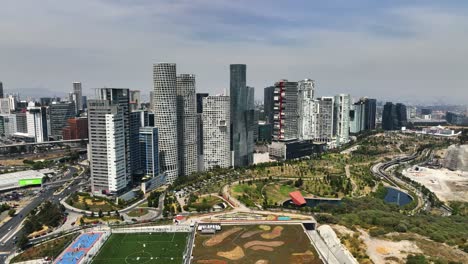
(13, 227)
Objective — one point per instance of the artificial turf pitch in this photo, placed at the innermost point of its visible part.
(143, 248)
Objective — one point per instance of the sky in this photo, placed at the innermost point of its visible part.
(398, 50)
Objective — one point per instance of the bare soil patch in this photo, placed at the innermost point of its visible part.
(235, 254)
(276, 232)
(263, 243)
(216, 239)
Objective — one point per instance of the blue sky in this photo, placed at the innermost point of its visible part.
(384, 49)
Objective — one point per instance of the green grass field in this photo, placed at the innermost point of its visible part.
(147, 248)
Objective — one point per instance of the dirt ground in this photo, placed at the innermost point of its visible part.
(446, 184)
(395, 247)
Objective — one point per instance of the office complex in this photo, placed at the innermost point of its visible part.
(242, 116)
(187, 124)
(165, 117)
(78, 96)
(306, 107)
(134, 132)
(135, 100)
(394, 116)
(7, 124)
(148, 141)
(341, 118)
(5, 107)
(120, 97)
(216, 137)
(362, 115)
(325, 119)
(76, 128)
(107, 148)
(200, 97)
(268, 102)
(21, 122)
(285, 111)
(59, 113)
(456, 119)
(36, 119)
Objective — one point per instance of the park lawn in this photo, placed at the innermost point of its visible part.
(94, 204)
(51, 249)
(145, 248)
(138, 212)
(278, 193)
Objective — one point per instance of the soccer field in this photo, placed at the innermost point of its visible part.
(143, 248)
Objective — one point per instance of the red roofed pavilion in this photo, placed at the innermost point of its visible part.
(297, 198)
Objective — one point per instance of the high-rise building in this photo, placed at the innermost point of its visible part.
(21, 122)
(216, 132)
(107, 148)
(401, 115)
(135, 100)
(394, 116)
(285, 111)
(5, 107)
(151, 106)
(242, 118)
(187, 124)
(200, 97)
(120, 97)
(325, 119)
(165, 117)
(59, 113)
(149, 151)
(45, 101)
(12, 99)
(8, 124)
(77, 90)
(306, 107)
(362, 115)
(36, 118)
(134, 132)
(341, 118)
(1, 90)
(268, 103)
(76, 128)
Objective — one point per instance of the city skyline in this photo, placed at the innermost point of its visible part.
(414, 49)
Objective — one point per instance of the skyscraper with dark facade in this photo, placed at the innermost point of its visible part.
(1, 90)
(401, 115)
(394, 116)
(242, 116)
(200, 97)
(363, 115)
(268, 95)
(59, 113)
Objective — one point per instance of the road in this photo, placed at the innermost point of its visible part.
(13, 227)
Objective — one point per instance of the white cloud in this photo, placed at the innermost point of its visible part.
(53, 43)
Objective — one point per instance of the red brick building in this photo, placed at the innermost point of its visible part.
(76, 128)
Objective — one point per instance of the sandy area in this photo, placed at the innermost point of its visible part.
(276, 232)
(263, 243)
(446, 184)
(235, 254)
(261, 248)
(215, 240)
(382, 251)
(250, 233)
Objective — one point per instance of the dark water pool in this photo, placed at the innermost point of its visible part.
(397, 197)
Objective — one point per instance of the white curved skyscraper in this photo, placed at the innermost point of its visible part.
(187, 124)
(165, 117)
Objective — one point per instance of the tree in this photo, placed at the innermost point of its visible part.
(92, 214)
(12, 212)
(100, 213)
(23, 241)
(81, 221)
(117, 213)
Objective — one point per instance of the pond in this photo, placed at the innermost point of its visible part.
(397, 197)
